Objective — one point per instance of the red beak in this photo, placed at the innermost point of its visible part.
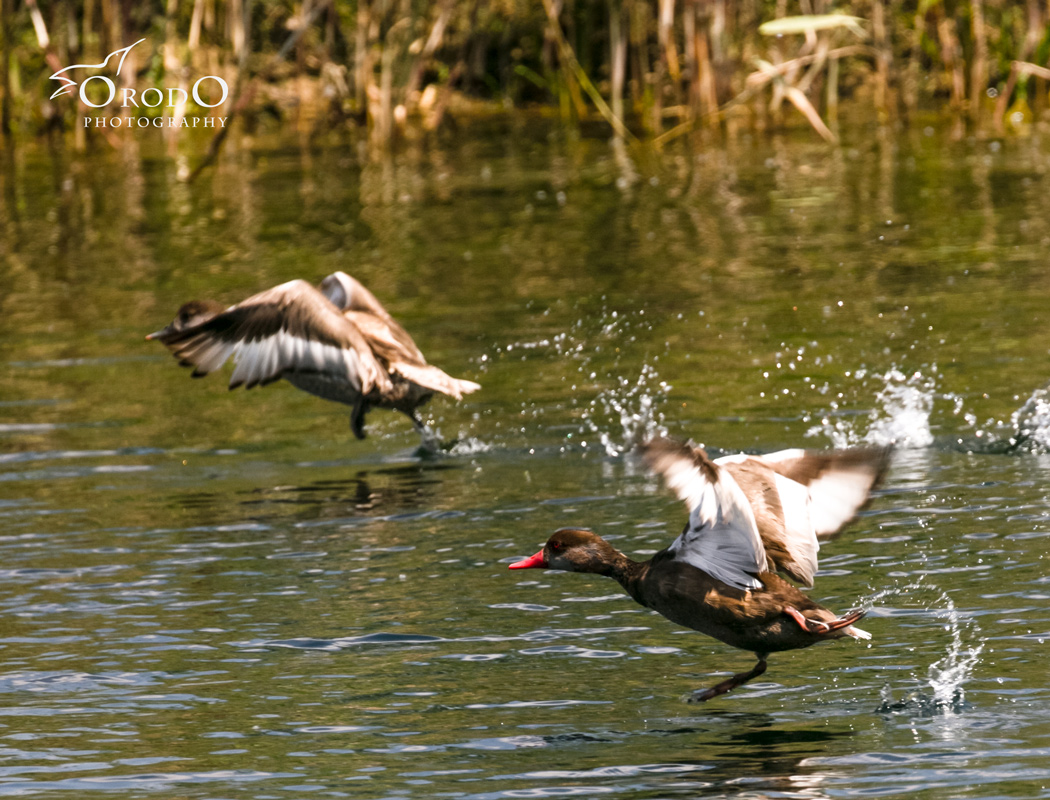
(532, 562)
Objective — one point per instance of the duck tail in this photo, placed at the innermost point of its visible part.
(857, 633)
(845, 624)
(435, 379)
(465, 386)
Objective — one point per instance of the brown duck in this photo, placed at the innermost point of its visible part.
(334, 341)
(750, 517)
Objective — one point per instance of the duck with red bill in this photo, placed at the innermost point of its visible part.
(750, 517)
(532, 562)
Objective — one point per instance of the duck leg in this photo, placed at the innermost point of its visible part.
(731, 683)
(417, 423)
(357, 417)
(429, 444)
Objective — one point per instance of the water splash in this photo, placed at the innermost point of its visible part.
(901, 416)
(606, 360)
(1026, 431)
(944, 689)
(467, 445)
(433, 444)
(948, 675)
(626, 414)
(1031, 423)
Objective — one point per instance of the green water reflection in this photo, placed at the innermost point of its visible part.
(217, 594)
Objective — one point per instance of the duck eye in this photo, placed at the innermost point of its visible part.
(556, 546)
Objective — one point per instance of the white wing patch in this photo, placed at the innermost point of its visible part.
(265, 360)
(799, 496)
(801, 538)
(835, 498)
(792, 454)
(684, 478)
(206, 354)
(838, 492)
(262, 361)
(722, 537)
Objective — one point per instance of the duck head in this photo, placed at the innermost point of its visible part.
(573, 550)
(193, 313)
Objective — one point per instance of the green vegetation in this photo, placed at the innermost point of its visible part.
(646, 69)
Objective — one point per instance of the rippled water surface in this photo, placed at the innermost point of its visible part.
(217, 594)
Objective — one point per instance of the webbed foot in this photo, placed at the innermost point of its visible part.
(823, 628)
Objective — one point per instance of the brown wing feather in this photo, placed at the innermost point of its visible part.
(759, 485)
(364, 303)
(809, 465)
(839, 481)
(295, 308)
(387, 339)
(662, 453)
(394, 332)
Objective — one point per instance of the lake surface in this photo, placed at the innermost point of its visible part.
(217, 594)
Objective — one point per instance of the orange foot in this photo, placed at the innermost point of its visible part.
(811, 625)
(822, 628)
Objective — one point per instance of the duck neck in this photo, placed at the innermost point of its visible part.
(622, 569)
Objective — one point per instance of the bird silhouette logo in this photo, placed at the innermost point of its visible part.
(70, 85)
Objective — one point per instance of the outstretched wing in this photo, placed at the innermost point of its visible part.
(798, 496)
(290, 328)
(722, 537)
(838, 482)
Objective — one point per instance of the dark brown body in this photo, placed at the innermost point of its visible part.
(750, 620)
(750, 517)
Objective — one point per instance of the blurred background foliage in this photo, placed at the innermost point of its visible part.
(647, 69)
